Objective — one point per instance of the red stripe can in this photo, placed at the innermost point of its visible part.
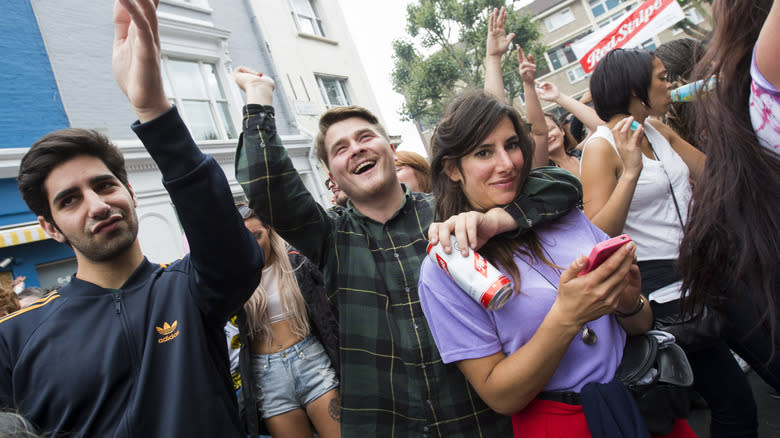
(482, 281)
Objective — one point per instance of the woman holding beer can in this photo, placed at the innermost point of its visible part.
(558, 333)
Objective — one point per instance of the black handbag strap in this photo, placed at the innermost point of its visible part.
(671, 187)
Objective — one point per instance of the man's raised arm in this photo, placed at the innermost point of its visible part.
(275, 191)
(547, 194)
(226, 259)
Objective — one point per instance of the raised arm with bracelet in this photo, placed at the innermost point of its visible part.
(549, 92)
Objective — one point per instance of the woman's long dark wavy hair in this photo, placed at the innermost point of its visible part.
(733, 232)
(469, 119)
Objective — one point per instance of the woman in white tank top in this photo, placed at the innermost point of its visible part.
(637, 180)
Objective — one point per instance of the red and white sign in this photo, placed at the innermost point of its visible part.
(647, 20)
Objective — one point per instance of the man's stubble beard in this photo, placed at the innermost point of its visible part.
(102, 252)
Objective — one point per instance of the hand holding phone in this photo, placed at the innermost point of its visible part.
(602, 251)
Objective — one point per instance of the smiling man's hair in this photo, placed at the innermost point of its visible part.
(56, 148)
(338, 114)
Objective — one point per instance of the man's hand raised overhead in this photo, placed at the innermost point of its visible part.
(136, 57)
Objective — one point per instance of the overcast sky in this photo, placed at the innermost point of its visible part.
(374, 24)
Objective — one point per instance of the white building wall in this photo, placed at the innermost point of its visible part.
(300, 56)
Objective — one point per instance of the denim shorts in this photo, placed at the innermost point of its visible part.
(292, 378)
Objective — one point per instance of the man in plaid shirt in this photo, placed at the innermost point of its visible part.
(394, 383)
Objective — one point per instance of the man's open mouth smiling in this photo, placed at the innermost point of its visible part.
(364, 166)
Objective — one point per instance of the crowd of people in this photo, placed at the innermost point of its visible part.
(289, 319)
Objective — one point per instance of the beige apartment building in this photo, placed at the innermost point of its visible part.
(563, 22)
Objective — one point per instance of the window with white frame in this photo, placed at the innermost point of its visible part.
(600, 7)
(561, 56)
(615, 17)
(197, 4)
(559, 19)
(194, 87)
(648, 45)
(576, 74)
(306, 17)
(693, 15)
(334, 91)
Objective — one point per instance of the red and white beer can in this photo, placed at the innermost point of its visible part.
(474, 274)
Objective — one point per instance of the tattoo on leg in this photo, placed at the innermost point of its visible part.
(334, 408)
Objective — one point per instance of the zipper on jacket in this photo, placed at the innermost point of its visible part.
(117, 302)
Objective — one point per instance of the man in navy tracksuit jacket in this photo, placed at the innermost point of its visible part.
(130, 348)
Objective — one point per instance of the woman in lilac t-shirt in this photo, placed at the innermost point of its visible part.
(559, 332)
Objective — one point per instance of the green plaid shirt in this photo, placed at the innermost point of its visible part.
(394, 383)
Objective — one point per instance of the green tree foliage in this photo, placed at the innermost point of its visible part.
(444, 51)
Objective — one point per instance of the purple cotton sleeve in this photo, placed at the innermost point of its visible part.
(461, 327)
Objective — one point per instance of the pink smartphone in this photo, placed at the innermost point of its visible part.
(602, 251)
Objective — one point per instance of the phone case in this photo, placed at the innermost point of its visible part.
(602, 251)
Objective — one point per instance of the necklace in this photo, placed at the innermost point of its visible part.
(588, 335)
